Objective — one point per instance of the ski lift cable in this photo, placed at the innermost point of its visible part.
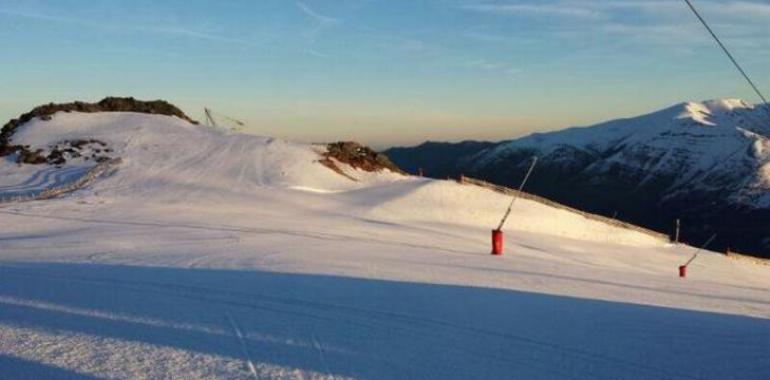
(729, 55)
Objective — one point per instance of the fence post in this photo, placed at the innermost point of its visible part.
(674, 238)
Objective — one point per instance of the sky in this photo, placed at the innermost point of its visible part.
(383, 72)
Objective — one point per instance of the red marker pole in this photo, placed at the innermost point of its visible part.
(497, 234)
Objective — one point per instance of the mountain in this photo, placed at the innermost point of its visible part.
(435, 158)
(188, 252)
(704, 163)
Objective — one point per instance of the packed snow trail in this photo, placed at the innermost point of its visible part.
(245, 258)
(454, 331)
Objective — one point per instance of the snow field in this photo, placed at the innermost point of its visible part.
(212, 255)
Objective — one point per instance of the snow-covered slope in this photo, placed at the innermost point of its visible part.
(169, 159)
(212, 255)
(167, 156)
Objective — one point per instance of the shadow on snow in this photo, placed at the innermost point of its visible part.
(376, 329)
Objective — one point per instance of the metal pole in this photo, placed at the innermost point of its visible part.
(700, 249)
(676, 235)
(521, 187)
(209, 118)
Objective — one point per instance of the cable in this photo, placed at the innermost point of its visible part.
(729, 55)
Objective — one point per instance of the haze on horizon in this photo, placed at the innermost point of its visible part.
(383, 72)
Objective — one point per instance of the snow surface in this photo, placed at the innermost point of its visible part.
(214, 255)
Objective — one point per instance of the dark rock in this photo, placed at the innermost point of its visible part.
(358, 156)
(56, 157)
(109, 104)
(27, 156)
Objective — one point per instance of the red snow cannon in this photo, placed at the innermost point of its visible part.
(497, 242)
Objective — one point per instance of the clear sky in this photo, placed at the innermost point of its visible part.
(383, 71)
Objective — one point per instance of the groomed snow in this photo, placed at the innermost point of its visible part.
(215, 255)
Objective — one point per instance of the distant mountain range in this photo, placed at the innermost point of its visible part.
(705, 163)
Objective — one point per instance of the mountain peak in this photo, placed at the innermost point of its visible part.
(719, 105)
(706, 111)
(728, 104)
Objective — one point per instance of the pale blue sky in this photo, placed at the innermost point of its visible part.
(383, 71)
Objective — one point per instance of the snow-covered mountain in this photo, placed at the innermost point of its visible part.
(710, 146)
(707, 163)
(206, 254)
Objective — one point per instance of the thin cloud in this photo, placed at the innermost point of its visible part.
(322, 22)
(38, 16)
(738, 8)
(315, 53)
(170, 31)
(409, 45)
(529, 9)
(199, 35)
(762, 9)
(606, 9)
(662, 22)
(483, 64)
(322, 19)
(493, 67)
(499, 38)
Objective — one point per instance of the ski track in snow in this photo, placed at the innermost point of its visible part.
(242, 342)
(212, 263)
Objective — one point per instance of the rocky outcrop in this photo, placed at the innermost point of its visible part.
(109, 104)
(357, 156)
